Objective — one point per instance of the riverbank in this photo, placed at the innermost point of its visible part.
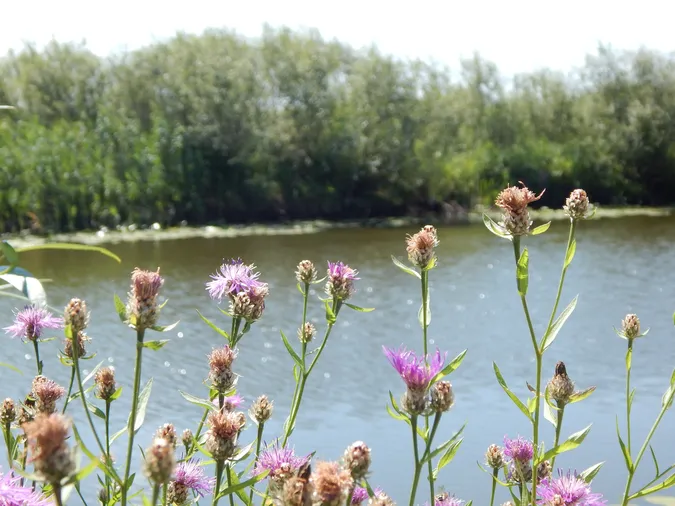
(156, 233)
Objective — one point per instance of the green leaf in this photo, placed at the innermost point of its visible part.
(591, 472)
(569, 256)
(26, 283)
(97, 411)
(512, 396)
(531, 404)
(9, 253)
(155, 345)
(656, 462)
(444, 446)
(667, 483)
(552, 332)
(143, 399)
(626, 456)
(108, 470)
(448, 369)
(330, 315)
(71, 247)
(405, 268)
(204, 403)
(213, 326)
(121, 309)
(118, 434)
(580, 396)
(541, 229)
(550, 415)
(667, 399)
(234, 480)
(495, 228)
(522, 275)
(244, 484)
(360, 309)
(420, 315)
(164, 328)
(296, 358)
(447, 456)
(117, 394)
(10, 366)
(93, 372)
(570, 443)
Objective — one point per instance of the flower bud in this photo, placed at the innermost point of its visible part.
(494, 456)
(46, 392)
(187, 438)
(514, 202)
(420, 247)
(221, 438)
(544, 470)
(167, 432)
(357, 460)
(576, 205)
(442, 397)
(142, 306)
(414, 402)
(560, 387)
(331, 484)
(340, 284)
(103, 497)
(51, 457)
(81, 339)
(160, 461)
(306, 272)
(307, 332)
(220, 368)
(105, 383)
(630, 326)
(7, 412)
(261, 409)
(76, 315)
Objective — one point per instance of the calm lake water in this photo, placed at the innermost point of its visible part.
(621, 266)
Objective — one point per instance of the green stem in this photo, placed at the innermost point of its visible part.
(495, 473)
(558, 425)
(140, 334)
(418, 467)
(229, 483)
(57, 494)
(165, 491)
(37, 357)
(570, 238)
(219, 477)
(424, 276)
(6, 432)
(107, 445)
(70, 389)
(258, 441)
(629, 360)
(155, 494)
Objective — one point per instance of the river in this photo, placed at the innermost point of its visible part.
(621, 266)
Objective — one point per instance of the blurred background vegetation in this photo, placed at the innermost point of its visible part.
(217, 128)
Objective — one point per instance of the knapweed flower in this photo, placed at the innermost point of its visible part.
(220, 368)
(560, 387)
(442, 397)
(494, 457)
(307, 332)
(297, 490)
(167, 432)
(331, 483)
(357, 459)
(306, 272)
(224, 428)
(519, 449)
(46, 392)
(261, 409)
(81, 340)
(76, 315)
(420, 248)
(514, 202)
(630, 326)
(13, 494)
(445, 499)
(7, 412)
(281, 462)
(416, 372)
(577, 205)
(189, 477)
(340, 284)
(50, 455)
(160, 461)
(544, 470)
(232, 278)
(105, 383)
(142, 306)
(187, 437)
(568, 490)
(250, 305)
(360, 494)
(31, 321)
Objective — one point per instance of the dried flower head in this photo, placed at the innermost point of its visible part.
(7, 412)
(31, 321)
(168, 432)
(514, 202)
(577, 205)
(568, 490)
(544, 470)
(261, 409)
(220, 368)
(340, 284)
(331, 483)
(232, 278)
(494, 457)
(306, 272)
(357, 460)
(560, 387)
(518, 449)
(445, 499)
(281, 462)
(442, 397)
(416, 372)
(187, 438)
(76, 315)
(630, 326)
(381, 499)
(307, 332)
(250, 305)
(298, 489)
(221, 438)
(46, 392)
(105, 383)
(68, 348)
(189, 477)
(160, 461)
(12, 493)
(142, 306)
(50, 455)
(421, 246)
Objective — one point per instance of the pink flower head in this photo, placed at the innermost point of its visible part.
(278, 459)
(191, 475)
(572, 489)
(230, 403)
(519, 449)
(13, 494)
(340, 283)
(361, 494)
(232, 278)
(446, 499)
(417, 372)
(31, 321)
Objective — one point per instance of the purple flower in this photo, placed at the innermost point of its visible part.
(341, 277)
(277, 459)
(230, 403)
(232, 278)
(191, 475)
(572, 489)
(417, 372)
(519, 449)
(445, 499)
(361, 494)
(31, 321)
(12, 494)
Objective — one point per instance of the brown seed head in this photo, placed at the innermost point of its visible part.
(177, 493)
(544, 470)
(357, 460)
(50, 455)
(46, 392)
(261, 409)
(168, 432)
(630, 326)
(576, 205)
(560, 386)
(494, 457)
(514, 202)
(76, 315)
(442, 397)
(7, 412)
(220, 368)
(105, 383)
(307, 332)
(414, 402)
(420, 247)
(142, 307)
(306, 272)
(221, 439)
(187, 438)
(82, 339)
(331, 484)
(160, 461)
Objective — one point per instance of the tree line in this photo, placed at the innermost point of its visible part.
(217, 128)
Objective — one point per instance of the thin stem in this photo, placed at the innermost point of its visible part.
(418, 467)
(165, 491)
(107, 444)
(219, 477)
(70, 389)
(495, 473)
(155, 494)
(140, 334)
(229, 483)
(258, 441)
(629, 361)
(6, 433)
(558, 425)
(57, 494)
(424, 276)
(570, 238)
(37, 356)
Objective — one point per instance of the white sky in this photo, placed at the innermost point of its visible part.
(518, 35)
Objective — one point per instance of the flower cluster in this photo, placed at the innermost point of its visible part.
(340, 283)
(240, 284)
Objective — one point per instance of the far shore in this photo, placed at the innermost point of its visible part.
(156, 233)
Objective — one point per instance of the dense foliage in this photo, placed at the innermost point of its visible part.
(219, 128)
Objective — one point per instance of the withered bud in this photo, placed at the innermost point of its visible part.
(142, 306)
(261, 409)
(187, 438)
(177, 493)
(76, 315)
(82, 339)
(221, 438)
(331, 484)
(26, 414)
(576, 205)
(357, 460)
(306, 272)
(160, 461)
(50, 455)
(168, 432)
(307, 332)
(250, 305)
(442, 397)
(630, 326)
(381, 499)
(220, 368)
(514, 202)
(420, 247)
(105, 383)
(494, 457)
(560, 387)
(103, 496)
(414, 402)
(297, 491)
(544, 470)
(46, 392)
(7, 412)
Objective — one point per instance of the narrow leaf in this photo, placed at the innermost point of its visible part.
(405, 268)
(550, 415)
(522, 274)
(569, 256)
(296, 358)
(155, 345)
(204, 403)
(359, 308)
(121, 309)
(452, 366)
(624, 450)
(580, 396)
(667, 483)
(591, 472)
(494, 227)
(447, 456)
(213, 326)
(330, 315)
(164, 328)
(656, 462)
(541, 229)
(9, 253)
(71, 247)
(512, 396)
(143, 399)
(10, 366)
(552, 333)
(420, 315)
(570, 443)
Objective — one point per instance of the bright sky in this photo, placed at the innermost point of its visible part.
(518, 35)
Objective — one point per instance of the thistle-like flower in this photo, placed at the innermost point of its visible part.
(514, 202)
(232, 278)
(442, 397)
(187, 438)
(220, 368)
(31, 321)
(167, 432)
(105, 383)
(230, 402)
(142, 307)
(189, 477)
(50, 455)
(306, 272)
(560, 387)
(421, 246)
(416, 372)
(76, 315)
(13, 494)
(7, 412)
(160, 461)
(519, 449)
(576, 205)
(250, 305)
(630, 326)
(46, 392)
(568, 490)
(81, 340)
(357, 460)
(261, 409)
(331, 484)
(381, 499)
(221, 438)
(340, 284)
(307, 332)
(281, 462)
(494, 457)
(445, 499)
